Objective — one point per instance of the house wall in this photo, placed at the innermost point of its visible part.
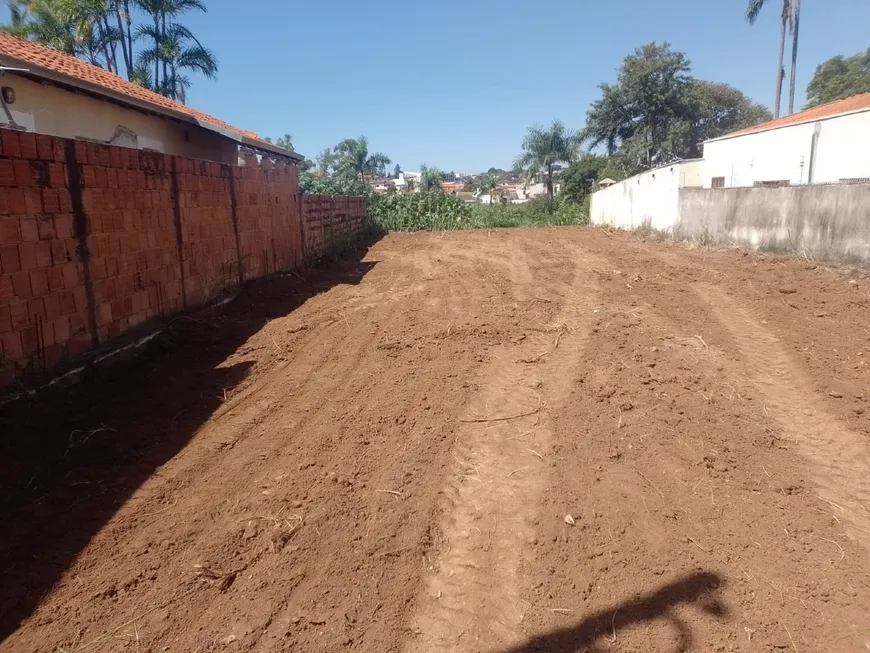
(58, 112)
(827, 221)
(649, 198)
(95, 240)
(843, 152)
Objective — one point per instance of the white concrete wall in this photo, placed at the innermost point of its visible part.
(649, 198)
(843, 152)
(825, 221)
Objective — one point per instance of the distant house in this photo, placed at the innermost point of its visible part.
(381, 185)
(452, 186)
(49, 92)
(827, 144)
(401, 182)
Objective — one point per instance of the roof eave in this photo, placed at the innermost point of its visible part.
(61, 78)
(745, 132)
(269, 147)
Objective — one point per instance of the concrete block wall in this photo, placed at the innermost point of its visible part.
(96, 239)
(331, 220)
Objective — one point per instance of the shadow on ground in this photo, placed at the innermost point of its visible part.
(599, 631)
(70, 458)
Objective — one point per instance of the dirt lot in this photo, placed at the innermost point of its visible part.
(384, 457)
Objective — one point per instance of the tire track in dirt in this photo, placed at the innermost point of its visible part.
(840, 457)
(472, 600)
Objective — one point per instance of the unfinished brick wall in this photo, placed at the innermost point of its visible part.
(331, 221)
(95, 239)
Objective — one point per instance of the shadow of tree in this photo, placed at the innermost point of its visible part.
(700, 589)
(71, 457)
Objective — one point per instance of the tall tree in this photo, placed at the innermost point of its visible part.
(543, 148)
(657, 112)
(397, 171)
(796, 28)
(354, 159)
(790, 22)
(76, 27)
(637, 115)
(838, 78)
(94, 30)
(173, 50)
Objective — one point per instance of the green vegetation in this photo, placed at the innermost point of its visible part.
(656, 112)
(352, 158)
(580, 179)
(838, 78)
(545, 147)
(436, 210)
(430, 178)
(96, 30)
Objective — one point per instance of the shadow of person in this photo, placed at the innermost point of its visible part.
(592, 633)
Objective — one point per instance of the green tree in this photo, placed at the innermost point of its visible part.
(545, 147)
(397, 171)
(838, 78)
(172, 49)
(486, 185)
(354, 159)
(580, 178)
(636, 115)
(75, 27)
(790, 22)
(95, 30)
(430, 178)
(285, 141)
(325, 161)
(657, 112)
(712, 109)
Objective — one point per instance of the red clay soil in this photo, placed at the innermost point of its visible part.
(526, 440)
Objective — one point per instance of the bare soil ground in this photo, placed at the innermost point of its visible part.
(386, 457)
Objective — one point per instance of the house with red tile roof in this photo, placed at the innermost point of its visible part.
(49, 92)
(822, 145)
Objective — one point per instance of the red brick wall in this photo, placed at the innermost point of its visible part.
(331, 220)
(138, 235)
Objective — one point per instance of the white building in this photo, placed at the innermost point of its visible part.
(404, 177)
(651, 198)
(827, 144)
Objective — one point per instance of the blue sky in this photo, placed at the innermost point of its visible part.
(455, 84)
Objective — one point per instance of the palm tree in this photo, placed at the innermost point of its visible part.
(488, 184)
(790, 19)
(796, 24)
(543, 148)
(430, 178)
(354, 158)
(181, 52)
(76, 27)
(173, 49)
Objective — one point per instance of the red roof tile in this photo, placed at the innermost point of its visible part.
(58, 62)
(854, 103)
